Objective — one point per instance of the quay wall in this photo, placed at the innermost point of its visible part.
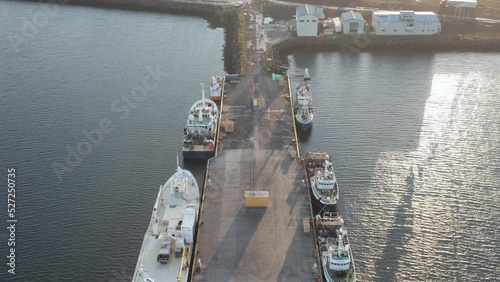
(224, 16)
(348, 44)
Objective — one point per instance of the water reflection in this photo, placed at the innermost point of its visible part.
(428, 237)
(417, 158)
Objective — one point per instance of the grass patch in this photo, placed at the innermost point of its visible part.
(269, 58)
(242, 41)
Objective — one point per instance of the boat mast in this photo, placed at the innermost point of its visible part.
(341, 244)
(203, 92)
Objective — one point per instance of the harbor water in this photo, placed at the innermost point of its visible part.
(415, 145)
(84, 72)
(414, 139)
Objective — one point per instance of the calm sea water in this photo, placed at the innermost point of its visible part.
(415, 140)
(63, 80)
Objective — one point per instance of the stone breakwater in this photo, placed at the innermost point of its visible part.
(224, 16)
(348, 44)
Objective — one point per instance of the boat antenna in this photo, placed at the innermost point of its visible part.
(341, 245)
(178, 166)
(143, 273)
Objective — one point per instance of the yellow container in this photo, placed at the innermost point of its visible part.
(257, 102)
(256, 198)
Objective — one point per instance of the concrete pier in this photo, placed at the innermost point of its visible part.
(239, 243)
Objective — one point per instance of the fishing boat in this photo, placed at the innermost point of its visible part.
(333, 244)
(322, 181)
(304, 111)
(216, 88)
(201, 129)
(307, 76)
(168, 243)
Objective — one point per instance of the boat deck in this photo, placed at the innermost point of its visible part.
(239, 243)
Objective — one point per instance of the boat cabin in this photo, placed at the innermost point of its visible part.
(316, 159)
(303, 95)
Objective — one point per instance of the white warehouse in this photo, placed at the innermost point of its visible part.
(353, 23)
(307, 19)
(405, 23)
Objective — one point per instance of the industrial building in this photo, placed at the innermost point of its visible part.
(353, 23)
(459, 9)
(405, 23)
(307, 18)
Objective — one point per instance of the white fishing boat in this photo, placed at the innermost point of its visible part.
(307, 76)
(216, 88)
(335, 251)
(322, 180)
(304, 110)
(201, 129)
(168, 243)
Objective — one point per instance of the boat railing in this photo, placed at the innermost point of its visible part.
(183, 262)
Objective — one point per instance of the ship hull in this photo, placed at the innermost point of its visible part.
(170, 208)
(320, 207)
(304, 126)
(215, 95)
(198, 154)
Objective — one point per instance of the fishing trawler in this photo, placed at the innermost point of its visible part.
(216, 88)
(201, 129)
(304, 116)
(322, 181)
(168, 243)
(335, 252)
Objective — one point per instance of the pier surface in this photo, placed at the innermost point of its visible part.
(238, 243)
